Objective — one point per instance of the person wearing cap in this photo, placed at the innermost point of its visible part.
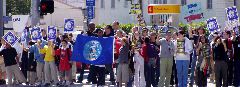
(10, 55)
(166, 59)
(183, 50)
(49, 65)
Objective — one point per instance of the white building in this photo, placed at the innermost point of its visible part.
(108, 11)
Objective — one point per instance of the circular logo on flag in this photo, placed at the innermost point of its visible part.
(92, 50)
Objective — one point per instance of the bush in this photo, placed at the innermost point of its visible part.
(125, 27)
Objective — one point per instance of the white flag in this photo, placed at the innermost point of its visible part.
(19, 22)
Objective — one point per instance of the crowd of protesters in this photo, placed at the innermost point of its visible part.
(142, 58)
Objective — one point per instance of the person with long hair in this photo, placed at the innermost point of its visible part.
(203, 61)
(139, 79)
(220, 58)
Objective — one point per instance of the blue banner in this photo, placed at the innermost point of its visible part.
(10, 38)
(212, 25)
(93, 50)
(90, 10)
(90, 2)
(52, 33)
(69, 25)
(36, 33)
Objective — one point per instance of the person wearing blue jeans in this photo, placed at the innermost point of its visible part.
(182, 72)
(193, 64)
(183, 48)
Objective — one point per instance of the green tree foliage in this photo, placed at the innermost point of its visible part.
(18, 7)
(125, 27)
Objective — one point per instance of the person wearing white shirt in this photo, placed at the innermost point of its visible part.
(183, 50)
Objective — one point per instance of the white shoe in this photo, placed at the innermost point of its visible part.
(94, 85)
(38, 83)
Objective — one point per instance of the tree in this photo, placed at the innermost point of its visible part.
(18, 7)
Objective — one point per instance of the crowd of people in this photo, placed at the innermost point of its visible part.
(142, 58)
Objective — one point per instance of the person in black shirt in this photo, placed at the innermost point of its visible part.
(9, 54)
(220, 58)
(90, 32)
(236, 46)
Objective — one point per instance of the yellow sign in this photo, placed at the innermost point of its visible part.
(164, 9)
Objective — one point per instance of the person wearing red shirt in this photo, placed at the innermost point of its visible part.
(65, 64)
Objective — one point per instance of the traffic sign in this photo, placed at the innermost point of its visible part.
(90, 10)
(90, 2)
(163, 9)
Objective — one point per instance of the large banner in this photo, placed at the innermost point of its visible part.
(19, 22)
(192, 13)
(93, 50)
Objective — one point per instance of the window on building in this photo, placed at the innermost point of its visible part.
(209, 4)
(235, 2)
(164, 1)
(155, 1)
(102, 3)
(112, 3)
(125, 3)
(183, 2)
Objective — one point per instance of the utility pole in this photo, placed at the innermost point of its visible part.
(1, 18)
(35, 14)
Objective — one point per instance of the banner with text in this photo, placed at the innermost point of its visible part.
(192, 13)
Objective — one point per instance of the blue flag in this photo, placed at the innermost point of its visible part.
(36, 33)
(10, 38)
(52, 33)
(69, 25)
(93, 50)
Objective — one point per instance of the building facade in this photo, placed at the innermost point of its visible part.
(108, 11)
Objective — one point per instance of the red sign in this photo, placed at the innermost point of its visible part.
(150, 9)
